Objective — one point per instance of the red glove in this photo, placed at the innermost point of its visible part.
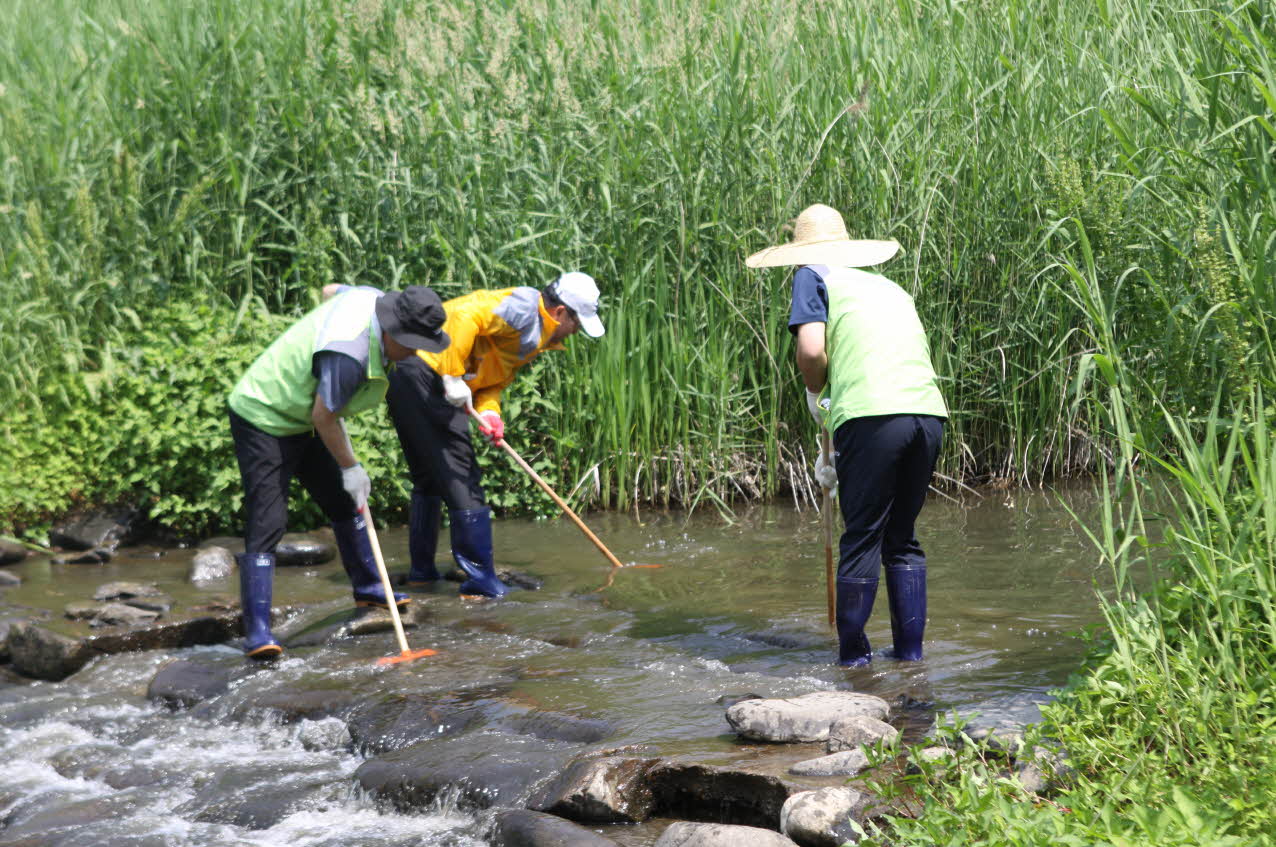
(492, 426)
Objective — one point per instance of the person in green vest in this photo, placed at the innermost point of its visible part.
(286, 420)
(859, 339)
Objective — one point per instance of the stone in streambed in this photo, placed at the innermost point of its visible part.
(932, 759)
(8, 580)
(857, 730)
(525, 828)
(684, 834)
(557, 726)
(845, 763)
(211, 563)
(297, 549)
(480, 773)
(126, 590)
(181, 683)
(104, 528)
(612, 789)
(801, 719)
(119, 614)
(821, 818)
(11, 553)
(695, 791)
(402, 720)
(96, 556)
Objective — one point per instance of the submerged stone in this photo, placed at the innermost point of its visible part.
(182, 683)
(126, 591)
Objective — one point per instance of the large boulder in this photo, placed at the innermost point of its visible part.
(525, 828)
(103, 529)
(611, 789)
(44, 654)
(821, 818)
(701, 792)
(684, 834)
(801, 719)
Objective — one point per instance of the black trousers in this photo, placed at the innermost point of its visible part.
(435, 436)
(267, 464)
(884, 466)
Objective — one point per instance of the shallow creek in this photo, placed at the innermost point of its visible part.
(737, 608)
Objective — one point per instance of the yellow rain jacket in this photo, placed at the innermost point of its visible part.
(494, 333)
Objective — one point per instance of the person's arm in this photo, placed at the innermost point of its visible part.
(332, 432)
(812, 359)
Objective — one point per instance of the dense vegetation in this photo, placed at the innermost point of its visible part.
(1086, 194)
(230, 158)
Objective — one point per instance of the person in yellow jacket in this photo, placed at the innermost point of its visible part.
(494, 333)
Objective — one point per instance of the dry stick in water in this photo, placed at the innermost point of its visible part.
(616, 564)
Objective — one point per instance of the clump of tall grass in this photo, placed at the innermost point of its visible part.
(149, 150)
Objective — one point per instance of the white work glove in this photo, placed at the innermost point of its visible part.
(456, 392)
(817, 407)
(355, 481)
(825, 471)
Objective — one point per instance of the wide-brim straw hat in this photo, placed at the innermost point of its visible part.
(820, 238)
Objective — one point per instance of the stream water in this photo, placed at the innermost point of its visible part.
(736, 608)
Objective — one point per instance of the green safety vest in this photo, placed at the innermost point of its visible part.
(277, 392)
(879, 360)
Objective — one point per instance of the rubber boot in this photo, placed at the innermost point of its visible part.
(472, 549)
(854, 605)
(361, 565)
(256, 578)
(906, 593)
(423, 539)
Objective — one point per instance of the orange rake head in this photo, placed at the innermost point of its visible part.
(406, 656)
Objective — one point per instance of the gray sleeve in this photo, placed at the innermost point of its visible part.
(339, 378)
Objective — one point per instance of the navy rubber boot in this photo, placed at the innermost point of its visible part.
(256, 578)
(423, 539)
(472, 549)
(906, 593)
(854, 605)
(356, 556)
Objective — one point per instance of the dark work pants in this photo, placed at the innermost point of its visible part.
(884, 466)
(267, 464)
(435, 436)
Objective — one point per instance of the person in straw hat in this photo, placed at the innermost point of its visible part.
(859, 339)
(494, 333)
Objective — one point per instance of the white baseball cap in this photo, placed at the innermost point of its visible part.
(579, 292)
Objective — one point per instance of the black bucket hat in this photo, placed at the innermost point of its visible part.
(414, 317)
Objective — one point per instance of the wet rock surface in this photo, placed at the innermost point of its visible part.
(211, 563)
(101, 528)
(11, 553)
(804, 718)
(299, 549)
(820, 818)
(96, 556)
(683, 834)
(9, 579)
(853, 732)
(182, 683)
(845, 763)
(600, 790)
(526, 828)
(718, 794)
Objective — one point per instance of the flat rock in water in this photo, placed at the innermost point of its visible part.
(44, 654)
(557, 726)
(81, 611)
(820, 818)
(211, 563)
(611, 789)
(857, 730)
(724, 795)
(298, 549)
(8, 580)
(684, 834)
(291, 703)
(126, 591)
(11, 553)
(402, 720)
(481, 774)
(801, 719)
(96, 556)
(525, 828)
(161, 604)
(182, 683)
(846, 763)
(120, 614)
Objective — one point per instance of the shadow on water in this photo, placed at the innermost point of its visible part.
(735, 610)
